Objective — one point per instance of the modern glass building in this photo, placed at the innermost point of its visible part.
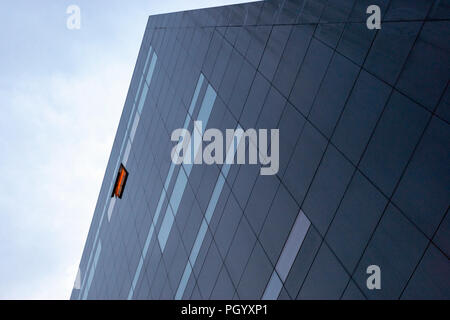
(363, 179)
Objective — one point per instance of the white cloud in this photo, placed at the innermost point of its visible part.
(65, 127)
(62, 94)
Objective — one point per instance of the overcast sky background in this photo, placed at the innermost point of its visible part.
(61, 96)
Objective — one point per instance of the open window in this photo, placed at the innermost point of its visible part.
(121, 180)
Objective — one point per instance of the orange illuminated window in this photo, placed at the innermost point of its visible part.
(121, 180)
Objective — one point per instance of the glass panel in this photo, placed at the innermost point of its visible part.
(198, 242)
(92, 270)
(112, 202)
(148, 58)
(295, 240)
(208, 215)
(136, 276)
(130, 293)
(184, 280)
(167, 222)
(178, 190)
(142, 99)
(166, 226)
(287, 257)
(151, 69)
(207, 104)
(127, 153)
(134, 128)
(181, 182)
(273, 288)
(195, 97)
(159, 207)
(169, 176)
(214, 198)
(147, 241)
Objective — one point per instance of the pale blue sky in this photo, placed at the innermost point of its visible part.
(61, 97)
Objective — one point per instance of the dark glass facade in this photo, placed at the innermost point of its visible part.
(363, 117)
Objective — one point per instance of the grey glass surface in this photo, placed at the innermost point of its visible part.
(302, 262)
(239, 251)
(292, 58)
(390, 49)
(273, 50)
(441, 238)
(360, 115)
(326, 279)
(327, 189)
(404, 120)
(355, 42)
(278, 224)
(429, 280)
(422, 193)
(310, 76)
(425, 75)
(273, 288)
(260, 200)
(355, 220)
(406, 246)
(304, 161)
(292, 245)
(223, 288)
(290, 125)
(364, 134)
(352, 292)
(333, 93)
(256, 275)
